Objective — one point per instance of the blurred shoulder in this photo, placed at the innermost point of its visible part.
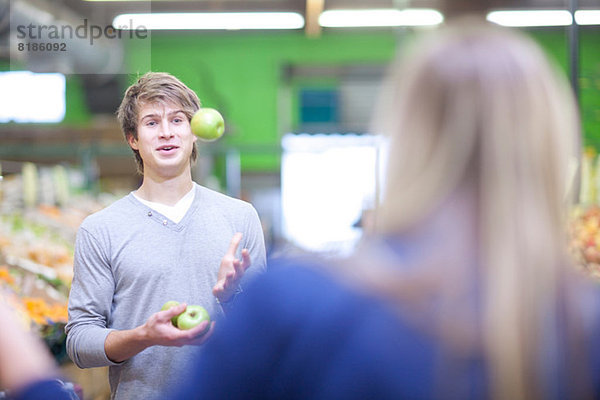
(211, 197)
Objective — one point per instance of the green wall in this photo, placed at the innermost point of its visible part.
(590, 87)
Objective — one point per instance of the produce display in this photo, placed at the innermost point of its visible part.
(584, 233)
(39, 219)
(43, 313)
(29, 243)
(36, 258)
(584, 221)
(9, 294)
(39, 306)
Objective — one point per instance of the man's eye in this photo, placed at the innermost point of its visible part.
(150, 123)
(177, 120)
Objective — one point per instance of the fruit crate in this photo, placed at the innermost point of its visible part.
(584, 238)
(40, 306)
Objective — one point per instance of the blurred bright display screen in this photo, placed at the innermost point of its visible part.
(326, 183)
(28, 97)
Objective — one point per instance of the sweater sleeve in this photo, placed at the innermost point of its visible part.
(90, 303)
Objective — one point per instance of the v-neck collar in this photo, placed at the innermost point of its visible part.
(162, 219)
(175, 212)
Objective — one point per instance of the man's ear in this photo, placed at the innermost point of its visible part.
(132, 142)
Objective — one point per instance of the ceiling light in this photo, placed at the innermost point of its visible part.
(231, 20)
(587, 17)
(380, 18)
(526, 18)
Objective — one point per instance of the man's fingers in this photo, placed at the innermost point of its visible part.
(240, 266)
(173, 311)
(220, 285)
(237, 269)
(245, 259)
(235, 242)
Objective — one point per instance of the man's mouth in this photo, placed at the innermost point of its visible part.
(167, 148)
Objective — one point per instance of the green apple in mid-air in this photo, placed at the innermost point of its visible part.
(170, 304)
(208, 124)
(192, 316)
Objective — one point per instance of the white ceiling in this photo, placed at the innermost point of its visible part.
(103, 12)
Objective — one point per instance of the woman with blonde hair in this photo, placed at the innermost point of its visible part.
(482, 134)
(465, 288)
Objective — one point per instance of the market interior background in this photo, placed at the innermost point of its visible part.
(297, 104)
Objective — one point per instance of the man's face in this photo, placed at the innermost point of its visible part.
(165, 140)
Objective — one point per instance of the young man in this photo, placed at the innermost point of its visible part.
(171, 239)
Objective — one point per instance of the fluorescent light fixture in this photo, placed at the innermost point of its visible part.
(380, 17)
(587, 17)
(32, 97)
(230, 20)
(526, 18)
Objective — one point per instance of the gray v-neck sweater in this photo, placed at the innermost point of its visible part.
(130, 260)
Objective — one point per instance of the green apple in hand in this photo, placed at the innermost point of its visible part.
(192, 316)
(170, 304)
(208, 124)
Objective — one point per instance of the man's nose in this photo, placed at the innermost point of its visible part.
(164, 131)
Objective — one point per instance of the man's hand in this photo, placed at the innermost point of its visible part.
(231, 270)
(157, 331)
(160, 330)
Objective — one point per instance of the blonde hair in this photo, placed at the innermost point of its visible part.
(480, 105)
(155, 87)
